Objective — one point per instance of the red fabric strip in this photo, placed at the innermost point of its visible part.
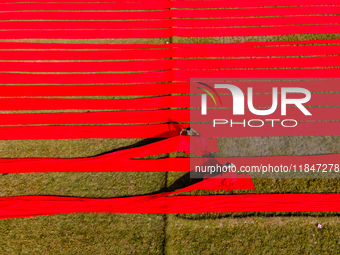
(216, 50)
(325, 41)
(155, 116)
(324, 113)
(253, 12)
(324, 99)
(122, 161)
(250, 31)
(87, 55)
(289, 20)
(83, 1)
(16, 104)
(163, 130)
(241, 130)
(136, 65)
(94, 90)
(94, 104)
(24, 45)
(249, 203)
(152, 65)
(99, 15)
(112, 163)
(84, 6)
(164, 33)
(201, 4)
(87, 34)
(14, 207)
(143, 24)
(252, 63)
(102, 165)
(90, 131)
(134, 90)
(220, 51)
(266, 86)
(165, 76)
(154, 5)
(119, 161)
(247, 3)
(262, 73)
(167, 14)
(28, 206)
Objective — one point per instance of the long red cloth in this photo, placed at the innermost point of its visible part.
(25, 45)
(120, 161)
(94, 104)
(127, 160)
(174, 13)
(153, 65)
(164, 76)
(167, 32)
(28, 206)
(184, 4)
(151, 4)
(162, 130)
(156, 116)
(199, 50)
(94, 90)
(124, 90)
(151, 116)
(90, 131)
(167, 23)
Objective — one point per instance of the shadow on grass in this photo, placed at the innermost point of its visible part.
(171, 125)
(138, 144)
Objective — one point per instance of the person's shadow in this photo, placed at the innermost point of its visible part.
(174, 129)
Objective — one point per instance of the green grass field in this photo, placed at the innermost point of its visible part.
(211, 233)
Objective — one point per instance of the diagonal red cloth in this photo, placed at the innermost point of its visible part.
(119, 161)
(28, 206)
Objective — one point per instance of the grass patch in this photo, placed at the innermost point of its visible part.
(253, 235)
(83, 234)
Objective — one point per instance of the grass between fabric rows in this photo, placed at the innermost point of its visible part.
(170, 234)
